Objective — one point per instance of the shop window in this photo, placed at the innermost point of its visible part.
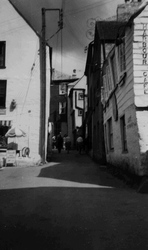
(110, 134)
(3, 84)
(2, 54)
(123, 134)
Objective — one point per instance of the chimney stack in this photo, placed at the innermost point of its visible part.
(124, 11)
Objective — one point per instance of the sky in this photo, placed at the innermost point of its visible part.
(79, 17)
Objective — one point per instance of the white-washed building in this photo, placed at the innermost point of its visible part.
(125, 96)
(21, 79)
(77, 105)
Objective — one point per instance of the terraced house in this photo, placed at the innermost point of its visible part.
(125, 95)
(21, 90)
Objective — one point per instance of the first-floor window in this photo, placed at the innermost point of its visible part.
(80, 96)
(123, 134)
(110, 134)
(62, 107)
(121, 55)
(3, 84)
(80, 112)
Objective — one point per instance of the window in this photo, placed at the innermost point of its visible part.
(105, 88)
(108, 79)
(123, 134)
(80, 112)
(121, 57)
(110, 134)
(2, 54)
(80, 96)
(2, 94)
(62, 89)
(114, 69)
(62, 107)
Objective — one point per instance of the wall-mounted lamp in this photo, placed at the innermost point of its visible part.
(12, 105)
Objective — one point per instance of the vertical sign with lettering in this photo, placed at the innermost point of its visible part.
(144, 57)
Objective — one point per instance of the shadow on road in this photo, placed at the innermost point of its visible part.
(78, 168)
(58, 218)
(69, 217)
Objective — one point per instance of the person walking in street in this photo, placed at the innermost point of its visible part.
(67, 143)
(59, 142)
(80, 144)
(54, 142)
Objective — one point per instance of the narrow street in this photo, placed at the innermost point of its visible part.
(70, 203)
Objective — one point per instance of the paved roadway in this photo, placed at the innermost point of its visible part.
(70, 203)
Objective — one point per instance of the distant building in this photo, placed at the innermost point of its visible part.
(59, 102)
(77, 105)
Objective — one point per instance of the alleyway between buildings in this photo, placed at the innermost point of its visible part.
(70, 203)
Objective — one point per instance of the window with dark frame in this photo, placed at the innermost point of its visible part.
(2, 54)
(110, 134)
(121, 56)
(114, 69)
(3, 84)
(62, 107)
(123, 134)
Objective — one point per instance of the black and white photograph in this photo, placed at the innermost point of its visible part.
(73, 124)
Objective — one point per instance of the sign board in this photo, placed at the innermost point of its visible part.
(11, 157)
(2, 156)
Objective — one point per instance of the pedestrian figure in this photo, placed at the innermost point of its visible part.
(80, 144)
(67, 144)
(59, 142)
(53, 142)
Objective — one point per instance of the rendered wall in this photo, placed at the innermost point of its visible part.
(124, 93)
(22, 73)
(140, 46)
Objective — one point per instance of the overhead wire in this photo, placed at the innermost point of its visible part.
(87, 7)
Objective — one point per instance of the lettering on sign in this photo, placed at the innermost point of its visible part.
(144, 57)
(11, 157)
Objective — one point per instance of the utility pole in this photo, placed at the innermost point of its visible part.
(43, 89)
(43, 80)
